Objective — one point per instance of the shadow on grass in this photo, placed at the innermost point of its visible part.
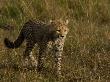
(44, 71)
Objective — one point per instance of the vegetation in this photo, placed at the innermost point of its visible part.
(86, 56)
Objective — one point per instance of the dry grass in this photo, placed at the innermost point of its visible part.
(86, 56)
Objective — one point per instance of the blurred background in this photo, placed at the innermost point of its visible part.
(86, 55)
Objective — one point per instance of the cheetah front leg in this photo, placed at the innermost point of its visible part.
(58, 58)
(58, 49)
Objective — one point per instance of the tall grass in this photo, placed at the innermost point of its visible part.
(86, 56)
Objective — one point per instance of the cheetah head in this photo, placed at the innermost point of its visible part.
(59, 28)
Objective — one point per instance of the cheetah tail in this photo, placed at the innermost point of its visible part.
(14, 44)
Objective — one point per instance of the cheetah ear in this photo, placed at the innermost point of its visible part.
(67, 21)
(51, 21)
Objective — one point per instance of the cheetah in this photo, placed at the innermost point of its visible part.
(40, 33)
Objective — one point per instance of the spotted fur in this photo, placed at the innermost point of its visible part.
(41, 33)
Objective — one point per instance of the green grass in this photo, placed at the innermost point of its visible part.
(86, 56)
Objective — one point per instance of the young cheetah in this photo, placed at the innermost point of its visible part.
(41, 33)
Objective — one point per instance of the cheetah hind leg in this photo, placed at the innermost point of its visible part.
(41, 57)
(33, 60)
(28, 55)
